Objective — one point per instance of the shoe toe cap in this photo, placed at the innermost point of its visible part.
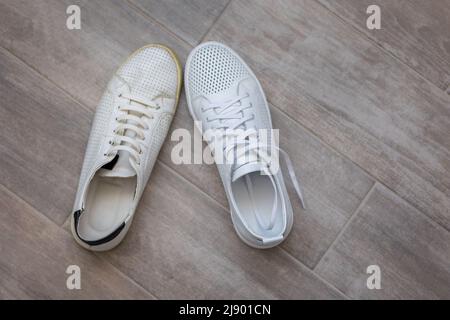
(151, 71)
(214, 68)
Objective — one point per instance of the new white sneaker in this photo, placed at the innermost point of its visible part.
(224, 94)
(130, 125)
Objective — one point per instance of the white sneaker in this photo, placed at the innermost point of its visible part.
(130, 125)
(224, 94)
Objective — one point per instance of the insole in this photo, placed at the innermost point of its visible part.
(107, 205)
(262, 204)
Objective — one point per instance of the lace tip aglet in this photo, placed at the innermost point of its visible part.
(302, 200)
(303, 204)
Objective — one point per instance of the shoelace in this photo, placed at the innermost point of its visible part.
(252, 146)
(133, 110)
(231, 116)
(232, 110)
(250, 142)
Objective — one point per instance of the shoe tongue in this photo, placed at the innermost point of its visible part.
(246, 169)
(121, 169)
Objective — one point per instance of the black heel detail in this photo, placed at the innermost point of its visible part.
(108, 238)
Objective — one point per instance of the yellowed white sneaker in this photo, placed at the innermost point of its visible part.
(130, 125)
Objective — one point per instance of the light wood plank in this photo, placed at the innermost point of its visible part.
(415, 31)
(350, 93)
(44, 134)
(35, 253)
(80, 61)
(188, 19)
(334, 186)
(182, 244)
(412, 252)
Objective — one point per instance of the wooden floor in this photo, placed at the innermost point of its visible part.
(364, 115)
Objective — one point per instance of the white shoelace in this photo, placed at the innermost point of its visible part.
(266, 160)
(226, 113)
(231, 116)
(129, 134)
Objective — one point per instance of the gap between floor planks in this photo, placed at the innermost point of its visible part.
(34, 211)
(83, 106)
(66, 227)
(378, 45)
(77, 99)
(154, 20)
(312, 100)
(349, 221)
(65, 223)
(356, 30)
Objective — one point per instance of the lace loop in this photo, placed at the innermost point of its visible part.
(231, 117)
(129, 133)
(229, 111)
(260, 151)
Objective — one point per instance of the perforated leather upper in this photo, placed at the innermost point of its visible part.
(214, 69)
(150, 72)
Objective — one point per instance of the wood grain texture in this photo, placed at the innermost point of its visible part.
(35, 253)
(182, 244)
(412, 251)
(80, 61)
(190, 19)
(350, 93)
(323, 78)
(44, 134)
(415, 31)
(333, 185)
